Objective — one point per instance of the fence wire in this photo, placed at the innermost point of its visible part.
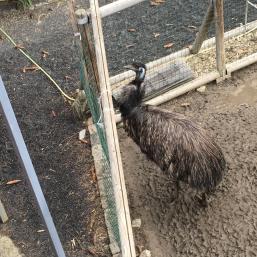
(240, 46)
(93, 96)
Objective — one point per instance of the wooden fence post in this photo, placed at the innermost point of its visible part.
(220, 47)
(87, 46)
(118, 181)
(202, 34)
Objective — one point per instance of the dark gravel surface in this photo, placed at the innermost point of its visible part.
(63, 164)
(175, 20)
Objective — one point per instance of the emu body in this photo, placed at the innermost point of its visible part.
(176, 144)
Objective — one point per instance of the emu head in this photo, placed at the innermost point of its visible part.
(131, 95)
(139, 69)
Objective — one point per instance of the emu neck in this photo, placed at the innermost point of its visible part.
(134, 100)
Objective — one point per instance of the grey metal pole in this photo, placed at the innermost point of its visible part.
(22, 153)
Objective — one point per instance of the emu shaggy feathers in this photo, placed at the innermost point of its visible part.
(177, 145)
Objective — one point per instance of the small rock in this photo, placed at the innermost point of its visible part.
(145, 253)
(201, 89)
(136, 223)
(82, 135)
(185, 104)
(114, 248)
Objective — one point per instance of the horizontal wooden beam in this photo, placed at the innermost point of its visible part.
(242, 63)
(180, 90)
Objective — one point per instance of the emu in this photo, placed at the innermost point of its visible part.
(179, 146)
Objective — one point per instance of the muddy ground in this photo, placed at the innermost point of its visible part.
(64, 165)
(228, 226)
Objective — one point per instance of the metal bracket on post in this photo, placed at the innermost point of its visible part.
(26, 163)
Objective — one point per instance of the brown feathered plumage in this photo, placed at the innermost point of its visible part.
(176, 144)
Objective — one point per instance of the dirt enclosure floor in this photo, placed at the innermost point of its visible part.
(228, 226)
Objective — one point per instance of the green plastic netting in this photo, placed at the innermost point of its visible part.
(93, 100)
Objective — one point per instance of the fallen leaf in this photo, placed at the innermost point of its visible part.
(54, 113)
(185, 104)
(169, 45)
(44, 54)
(40, 231)
(67, 78)
(129, 46)
(131, 30)
(93, 173)
(19, 46)
(83, 141)
(13, 182)
(30, 68)
(156, 34)
(156, 2)
(192, 27)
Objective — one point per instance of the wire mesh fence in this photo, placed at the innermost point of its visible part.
(89, 83)
(149, 31)
(243, 19)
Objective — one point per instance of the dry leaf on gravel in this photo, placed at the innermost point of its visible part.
(168, 45)
(30, 68)
(131, 30)
(13, 182)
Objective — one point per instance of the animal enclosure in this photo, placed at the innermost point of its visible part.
(177, 62)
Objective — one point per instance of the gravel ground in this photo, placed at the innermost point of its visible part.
(63, 164)
(175, 20)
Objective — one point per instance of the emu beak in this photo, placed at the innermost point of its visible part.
(130, 67)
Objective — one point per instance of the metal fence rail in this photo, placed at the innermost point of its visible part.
(26, 163)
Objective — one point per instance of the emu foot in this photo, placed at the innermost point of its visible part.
(202, 200)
